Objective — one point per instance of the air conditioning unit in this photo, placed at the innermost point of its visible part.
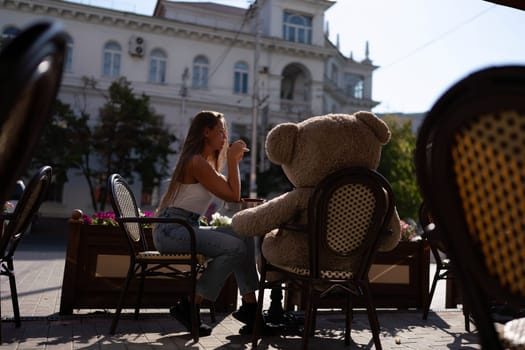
(137, 46)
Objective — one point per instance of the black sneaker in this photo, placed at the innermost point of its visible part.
(246, 313)
(182, 313)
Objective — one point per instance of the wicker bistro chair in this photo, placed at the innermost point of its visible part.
(30, 75)
(348, 212)
(470, 165)
(443, 264)
(147, 262)
(17, 225)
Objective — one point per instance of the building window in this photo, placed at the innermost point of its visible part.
(297, 28)
(200, 72)
(240, 78)
(335, 73)
(157, 66)
(354, 85)
(112, 54)
(68, 64)
(7, 34)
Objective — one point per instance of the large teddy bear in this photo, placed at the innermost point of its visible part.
(307, 152)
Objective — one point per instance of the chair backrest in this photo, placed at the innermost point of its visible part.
(470, 165)
(125, 205)
(26, 208)
(349, 211)
(31, 67)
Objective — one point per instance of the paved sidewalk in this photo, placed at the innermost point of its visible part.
(39, 265)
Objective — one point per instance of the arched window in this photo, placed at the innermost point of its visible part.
(68, 64)
(297, 28)
(240, 78)
(157, 66)
(200, 72)
(112, 54)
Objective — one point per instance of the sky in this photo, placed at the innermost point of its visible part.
(421, 47)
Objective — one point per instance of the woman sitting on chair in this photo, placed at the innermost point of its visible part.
(194, 182)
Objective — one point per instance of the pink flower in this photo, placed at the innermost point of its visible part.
(408, 232)
(107, 218)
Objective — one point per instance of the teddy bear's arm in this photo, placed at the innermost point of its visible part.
(269, 215)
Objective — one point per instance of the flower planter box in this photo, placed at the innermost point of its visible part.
(97, 261)
(398, 279)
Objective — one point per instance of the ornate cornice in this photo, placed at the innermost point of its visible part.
(162, 26)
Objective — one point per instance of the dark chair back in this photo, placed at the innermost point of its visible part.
(125, 205)
(30, 74)
(470, 161)
(26, 209)
(348, 212)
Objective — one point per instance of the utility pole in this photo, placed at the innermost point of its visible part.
(255, 103)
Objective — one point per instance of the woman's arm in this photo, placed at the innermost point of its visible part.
(227, 189)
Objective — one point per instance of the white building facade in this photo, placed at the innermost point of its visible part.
(271, 63)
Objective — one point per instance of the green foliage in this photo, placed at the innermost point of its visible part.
(271, 181)
(63, 142)
(397, 165)
(128, 137)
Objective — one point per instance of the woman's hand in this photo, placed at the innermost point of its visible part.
(236, 151)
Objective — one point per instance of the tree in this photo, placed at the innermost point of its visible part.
(397, 165)
(128, 137)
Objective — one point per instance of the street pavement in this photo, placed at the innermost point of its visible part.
(39, 265)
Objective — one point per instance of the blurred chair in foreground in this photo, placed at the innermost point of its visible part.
(30, 75)
(470, 165)
(31, 67)
(19, 220)
(347, 214)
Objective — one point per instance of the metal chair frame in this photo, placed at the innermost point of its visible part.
(16, 227)
(443, 265)
(319, 249)
(146, 262)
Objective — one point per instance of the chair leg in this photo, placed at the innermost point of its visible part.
(372, 317)
(212, 313)
(466, 315)
(259, 322)
(14, 293)
(194, 319)
(120, 303)
(141, 290)
(308, 317)
(348, 319)
(431, 294)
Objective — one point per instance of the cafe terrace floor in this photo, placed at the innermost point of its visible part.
(39, 266)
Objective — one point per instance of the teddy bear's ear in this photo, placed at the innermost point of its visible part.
(378, 126)
(280, 143)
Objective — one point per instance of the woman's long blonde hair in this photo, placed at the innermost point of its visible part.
(194, 144)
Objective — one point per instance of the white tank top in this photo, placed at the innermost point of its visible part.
(193, 197)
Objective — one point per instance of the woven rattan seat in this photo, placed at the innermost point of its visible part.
(470, 160)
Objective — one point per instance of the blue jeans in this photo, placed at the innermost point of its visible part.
(229, 252)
